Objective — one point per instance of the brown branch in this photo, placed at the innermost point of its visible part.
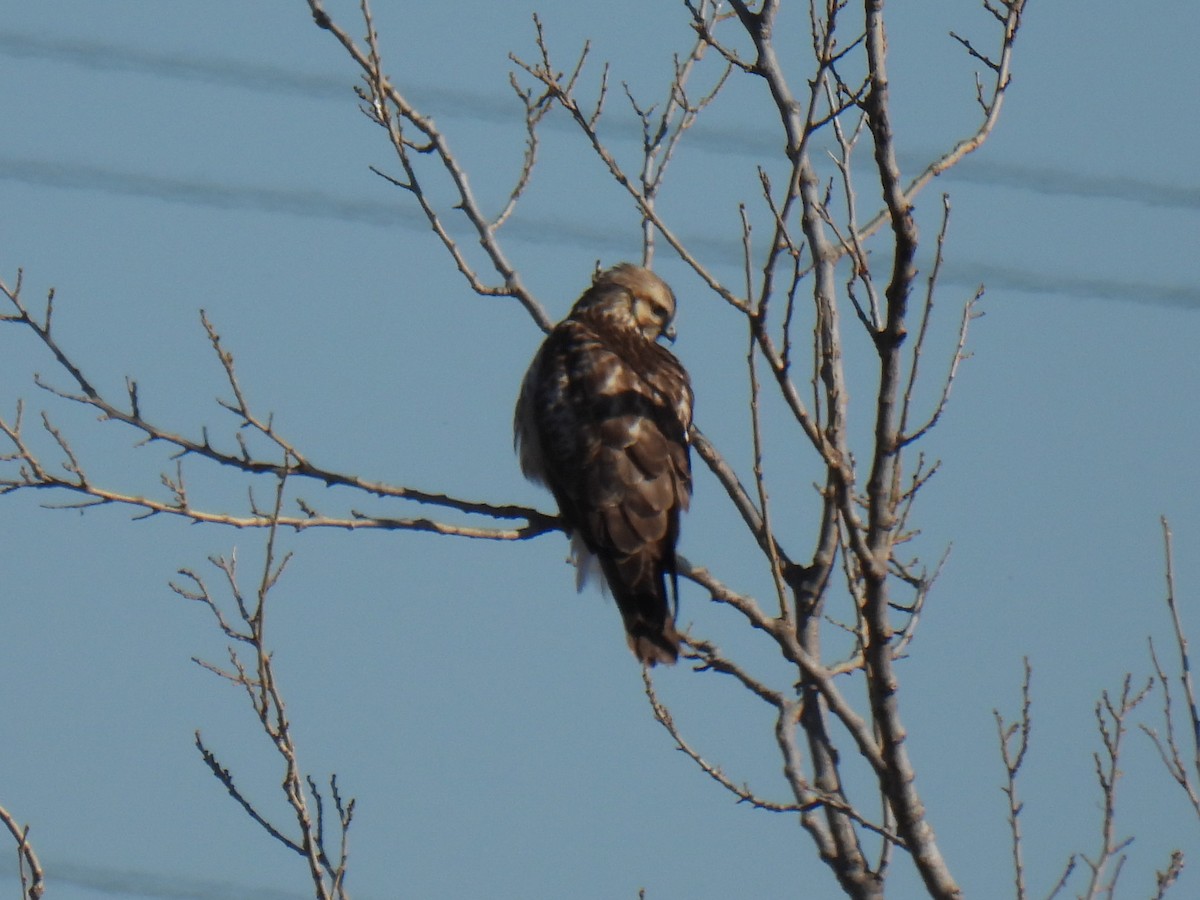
(822, 677)
(737, 492)
(224, 776)
(801, 186)
(743, 792)
(813, 799)
(1111, 719)
(661, 134)
(785, 729)
(33, 877)
(1164, 879)
(1014, 743)
(704, 18)
(1061, 884)
(545, 72)
(710, 659)
(1168, 748)
(535, 111)
(539, 523)
(969, 313)
(1185, 666)
(899, 783)
(799, 123)
(851, 241)
(773, 558)
(922, 332)
(922, 584)
(389, 108)
(327, 871)
(34, 474)
(1011, 23)
(42, 330)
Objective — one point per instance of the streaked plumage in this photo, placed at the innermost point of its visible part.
(602, 421)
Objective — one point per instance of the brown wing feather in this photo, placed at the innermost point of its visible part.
(602, 421)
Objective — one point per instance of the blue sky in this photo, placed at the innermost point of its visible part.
(160, 159)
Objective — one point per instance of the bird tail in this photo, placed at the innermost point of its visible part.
(639, 586)
(652, 642)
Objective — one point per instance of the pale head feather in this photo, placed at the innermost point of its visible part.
(631, 297)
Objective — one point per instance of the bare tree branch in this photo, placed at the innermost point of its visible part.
(1014, 744)
(1169, 749)
(29, 868)
(969, 313)
(1111, 716)
(389, 108)
(841, 621)
(326, 867)
(35, 474)
(545, 72)
(1010, 19)
(1166, 878)
(743, 792)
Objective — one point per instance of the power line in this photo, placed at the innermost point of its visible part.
(255, 76)
(250, 76)
(1045, 180)
(152, 886)
(126, 58)
(288, 201)
(1182, 296)
(379, 213)
(316, 204)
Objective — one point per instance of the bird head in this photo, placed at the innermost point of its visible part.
(635, 297)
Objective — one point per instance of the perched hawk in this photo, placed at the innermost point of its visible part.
(602, 421)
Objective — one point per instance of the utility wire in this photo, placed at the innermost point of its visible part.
(380, 213)
(148, 885)
(726, 140)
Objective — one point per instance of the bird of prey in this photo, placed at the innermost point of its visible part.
(602, 421)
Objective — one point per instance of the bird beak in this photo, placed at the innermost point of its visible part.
(669, 334)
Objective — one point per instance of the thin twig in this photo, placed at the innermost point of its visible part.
(1181, 642)
(1111, 716)
(327, 871)
(389, 108)
(1014, 743)
(35, 474)
(33, 877)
